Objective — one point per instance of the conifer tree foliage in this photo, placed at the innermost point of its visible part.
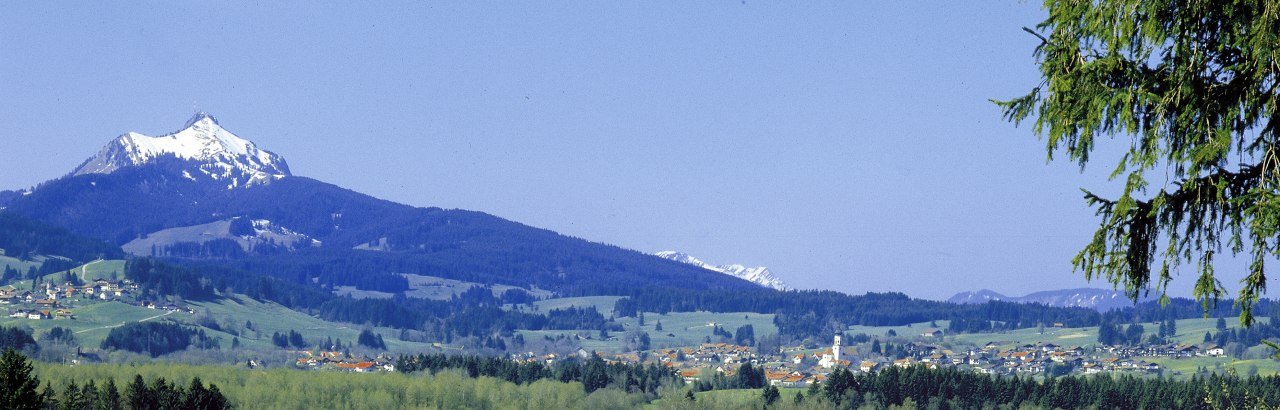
(1189, 88)
(17, 384)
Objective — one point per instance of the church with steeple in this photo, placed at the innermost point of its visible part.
(833, 357)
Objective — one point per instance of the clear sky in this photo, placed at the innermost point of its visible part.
(847, 145)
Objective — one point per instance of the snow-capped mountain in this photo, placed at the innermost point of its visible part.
(759, 275)
(209, 150)
(1099, 299)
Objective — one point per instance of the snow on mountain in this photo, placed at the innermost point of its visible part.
(248, 233)
(1098, 299)
(215, 153)
(759, 275)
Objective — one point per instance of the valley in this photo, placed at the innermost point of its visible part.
(199, 250)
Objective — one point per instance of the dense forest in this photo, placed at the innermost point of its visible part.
(22, 238)
(16, 338)
(157, 338)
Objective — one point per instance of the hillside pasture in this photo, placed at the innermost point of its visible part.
(693, 328)
(437, 288)
(602, 304)
(269, 318)
(1190, 331)
(18, 264)
(1186, 367)
(92, 321)
(678, 329)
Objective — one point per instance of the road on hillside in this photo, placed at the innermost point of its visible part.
(125, 323)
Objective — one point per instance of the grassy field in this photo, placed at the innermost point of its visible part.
(911, 330)
(99, 269)
(269, 318)
(431, 287)
(678, 329)
(692, 328)
(18, 264)
(1188, 366)
(1190, 331)
(603, 304)
(92, 322)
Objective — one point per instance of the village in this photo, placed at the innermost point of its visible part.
(57, 301)
(788, 366)
(344, 361)
(798, 366)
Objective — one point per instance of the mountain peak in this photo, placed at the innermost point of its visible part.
(206, 147)
(203, 120)
(759, 275)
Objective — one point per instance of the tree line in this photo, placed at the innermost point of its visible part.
(593, 372)
(19, 390)
(953, 388)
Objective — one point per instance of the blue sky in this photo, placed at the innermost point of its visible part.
(846, 145)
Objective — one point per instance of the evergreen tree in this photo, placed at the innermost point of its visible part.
(1190, 87)
(139, 396)
(49, 397)
(73, 399)
(17, 384)
(89, 396)
(749, 377)
(770, 394)
(109, 396)
(295, 339)
(745, 335)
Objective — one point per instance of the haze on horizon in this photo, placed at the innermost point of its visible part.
(845, 146)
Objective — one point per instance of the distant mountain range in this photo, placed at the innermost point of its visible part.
(1093, 298)
(758, 275)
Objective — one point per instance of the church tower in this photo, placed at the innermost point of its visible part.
(835, 348)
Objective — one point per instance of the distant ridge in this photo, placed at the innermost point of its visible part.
(758, 275)
(1094, 298)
